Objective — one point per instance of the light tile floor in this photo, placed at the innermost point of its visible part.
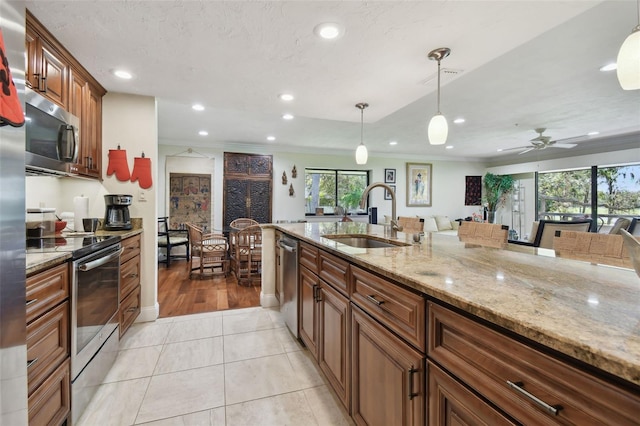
(238, 367)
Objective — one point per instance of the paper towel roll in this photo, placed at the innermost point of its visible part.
(80, 210)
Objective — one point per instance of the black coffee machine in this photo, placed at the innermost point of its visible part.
(116, 216)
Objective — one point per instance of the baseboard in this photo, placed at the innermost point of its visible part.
(268, 300)
(149, 313)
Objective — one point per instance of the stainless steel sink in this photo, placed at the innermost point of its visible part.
(365, 241)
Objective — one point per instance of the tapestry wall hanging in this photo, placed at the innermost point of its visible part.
(473, 191)
(190, 200)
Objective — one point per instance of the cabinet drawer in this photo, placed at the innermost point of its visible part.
(46, 289)
(334, 271)
(131, 248)
(47, 344)
(397, 308)
(487, 361)
(50, 403)
(309, 257)
(129, 310)
(129, 276)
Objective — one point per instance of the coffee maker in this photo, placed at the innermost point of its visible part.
(116, 216)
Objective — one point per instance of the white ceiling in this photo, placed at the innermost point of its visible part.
(524, 64)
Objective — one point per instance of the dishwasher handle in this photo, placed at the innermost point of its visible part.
(290, 249)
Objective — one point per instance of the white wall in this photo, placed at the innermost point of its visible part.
(447, 192)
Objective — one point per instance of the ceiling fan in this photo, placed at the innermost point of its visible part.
(541, 142)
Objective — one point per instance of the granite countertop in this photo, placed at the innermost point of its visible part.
(588, 312)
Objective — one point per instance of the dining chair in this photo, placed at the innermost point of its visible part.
(242, 222)
(168, 239)
(411, 224)
(620, 223)
(633, 246)
(543, 231)
(605, 249)
(246, 255)
(208, 253)
(483, 234)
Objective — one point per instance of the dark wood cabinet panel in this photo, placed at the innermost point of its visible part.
(253, 165)
(388, 377)
(47, 289)
(247, 187)
(308, 324)
(130, 288)
(260, 200)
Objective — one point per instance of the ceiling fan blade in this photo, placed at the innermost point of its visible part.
(513, 149)
(526, 150)
(564, 145)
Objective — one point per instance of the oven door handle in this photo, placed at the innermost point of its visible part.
(99, 262)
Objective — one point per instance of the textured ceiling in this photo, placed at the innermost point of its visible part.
(521, 65)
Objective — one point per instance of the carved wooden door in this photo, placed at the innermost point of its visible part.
(247, 187)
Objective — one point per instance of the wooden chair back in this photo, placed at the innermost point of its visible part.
(208, 253)
(606, 249)
(411, 224)
(242, 223)
(483, 234)
(246, 255)
(633, 247)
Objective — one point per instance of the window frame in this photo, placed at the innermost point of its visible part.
(336, 172)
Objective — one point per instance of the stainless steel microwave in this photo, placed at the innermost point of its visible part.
(52, 137)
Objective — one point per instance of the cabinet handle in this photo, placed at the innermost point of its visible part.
(133, 276)
(44, 84)
(31, 362)
(411, 373)
(133, 309)
(31, 302)
(519, 386)
(316, 293)
(372, 298)
(37, 77)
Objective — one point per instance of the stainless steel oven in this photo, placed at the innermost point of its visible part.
(94, 322)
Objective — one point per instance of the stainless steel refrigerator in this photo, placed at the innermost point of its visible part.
(13, 349)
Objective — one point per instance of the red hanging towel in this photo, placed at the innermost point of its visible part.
(10, 106)
(142, 171)
(118, 164)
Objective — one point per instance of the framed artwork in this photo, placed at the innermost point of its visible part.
(387, 194)
(418, 185)
(389, 175)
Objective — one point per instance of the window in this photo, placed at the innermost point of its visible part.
(565, 195)
(325, 189)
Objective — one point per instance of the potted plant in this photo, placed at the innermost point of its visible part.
(495, 189)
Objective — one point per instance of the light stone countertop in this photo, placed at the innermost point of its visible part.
(588, 312)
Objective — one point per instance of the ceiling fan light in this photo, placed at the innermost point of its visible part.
(438, 130)
(361, 154)
(628, 61)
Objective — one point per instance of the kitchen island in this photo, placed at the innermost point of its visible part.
(587, 314)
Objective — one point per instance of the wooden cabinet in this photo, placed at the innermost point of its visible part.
(53, 72)
(247, 187)
(525, 382)
(388, 377)
(48, 346)
(324, 326)
(129, 283)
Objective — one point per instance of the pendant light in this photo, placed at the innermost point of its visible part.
(361, 151)
(629, 59)
(438, 128)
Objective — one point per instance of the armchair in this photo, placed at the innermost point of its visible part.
(246, 255)
(170, 238)
(543, 231)
(208, 253)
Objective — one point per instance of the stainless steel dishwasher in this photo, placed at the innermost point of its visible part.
(289, 282)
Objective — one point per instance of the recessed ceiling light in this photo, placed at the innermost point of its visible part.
(449, 147)
(328, 30)
(609, 67)
(287, 116)
(459, 120)
(271, 138)
(286, 97)
(122, 74)
(393, 143)
(203, 133)
(197, 107)
(499, 150)
(593, 133)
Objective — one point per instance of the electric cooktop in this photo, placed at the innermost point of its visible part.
(79, 244)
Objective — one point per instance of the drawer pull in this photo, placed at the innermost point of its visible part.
(31, 302)
(411, 373)
(372, 298)
(31, 362)
(133, 309)
(133, 276)
(518, 386)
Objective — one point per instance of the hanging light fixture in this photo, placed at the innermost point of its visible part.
(629, 59)
(438, 128)
(361, 151)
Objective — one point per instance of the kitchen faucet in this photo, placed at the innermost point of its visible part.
(394, 220)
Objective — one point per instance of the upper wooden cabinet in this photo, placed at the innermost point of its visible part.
(54, 73)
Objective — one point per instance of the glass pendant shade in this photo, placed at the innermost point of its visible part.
(361, 154)
(438, 130)
(629, 61)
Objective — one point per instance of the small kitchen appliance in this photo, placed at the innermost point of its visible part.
(116, 216)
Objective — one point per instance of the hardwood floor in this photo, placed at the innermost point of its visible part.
(179, 295)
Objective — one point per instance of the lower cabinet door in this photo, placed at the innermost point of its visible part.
(452, 404)
(308, 323)
(333, 350)
(388, 376)
(129, 310)
(50, 404)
